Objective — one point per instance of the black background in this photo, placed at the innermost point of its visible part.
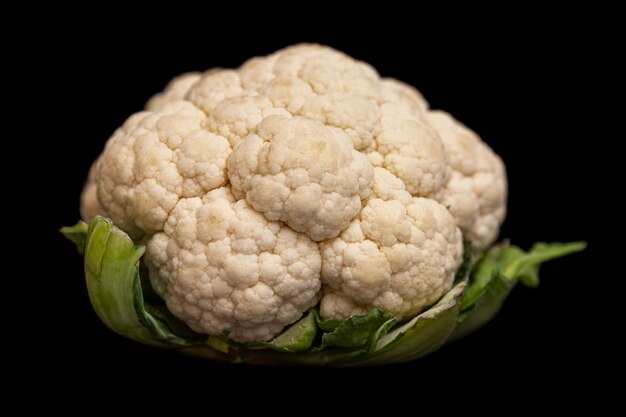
(522, 86)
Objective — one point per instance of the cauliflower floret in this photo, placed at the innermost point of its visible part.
(237, 117)
(214, 87)
(153, 160)
(175, 90)
(232, 176)
(317, 195)
(357, 116)
(220, 266)
(412, 151)
(326, 70)
(289, 93)
(476, 191)
(400, 255)
(406, 98)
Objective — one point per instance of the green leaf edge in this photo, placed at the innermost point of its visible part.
(495, 275)
(77, 234)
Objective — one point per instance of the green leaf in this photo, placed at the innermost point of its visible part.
(128, 305)
(357, 331)
(218, 343)
(328, 325)
(486, 305)
(111, 264)
(325, 325)
(526, 268)
(114, 287)
(483, 272)
(76, 234)
(495, 275)
(420, 336)
(382, 331)
(297, 338)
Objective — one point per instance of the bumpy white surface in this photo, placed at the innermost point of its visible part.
(400, 254)
(301, 172)
(222, 266)
(252, 187)
(477, 188)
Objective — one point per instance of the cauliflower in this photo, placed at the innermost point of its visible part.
(302, 176)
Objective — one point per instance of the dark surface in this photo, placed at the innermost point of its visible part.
(508, 87)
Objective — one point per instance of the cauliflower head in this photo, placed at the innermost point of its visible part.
(301, 176)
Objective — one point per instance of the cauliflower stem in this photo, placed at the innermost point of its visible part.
(127, 305)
